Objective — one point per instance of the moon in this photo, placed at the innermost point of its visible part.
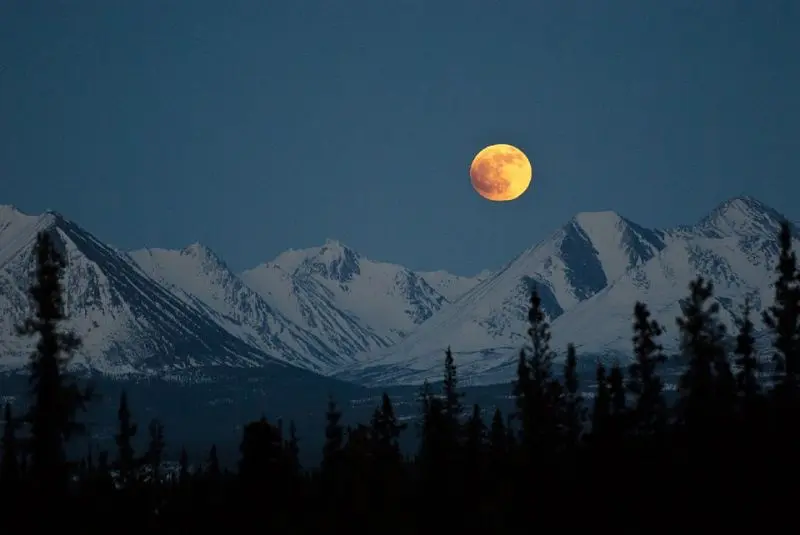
(500, 172)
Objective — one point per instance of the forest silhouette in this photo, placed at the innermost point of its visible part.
(725, 452)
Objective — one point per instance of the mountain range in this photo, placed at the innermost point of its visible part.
(334, 312)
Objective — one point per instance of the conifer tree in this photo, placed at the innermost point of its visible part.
(433, 427)
(574, 413)
(451, 394)
(90, 457)
(472, 476)
(498, 436)
(155, 449)
(751, 423)
(183, 463)
(522, 392)
(649, 411)
(783, 317)
(385, 431)
(747, 378)
(56, 398)
(293, 449)
(213, 470)
(334, 439)
(126, 459)
(702, 343)
(474, 435)
(10, 474)
(540, 393)
(451, 409)
(602, 403)
(619, 414)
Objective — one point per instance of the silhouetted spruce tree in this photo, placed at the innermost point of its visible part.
(56, 398)
(183, 467)
(473, 474)
(213, 471)
(752, 423)
(619, 414)
(539, 392)
(702, 345)
(293, 450)
(783, 318)
(126, 458)
(450, 432)
(498, 442)
(474, 436)
(10, 474)
(601, 410)
(649, 411)
(450, 392)
(433, 457)
(747, 379)
(358, 463)
(522, 392)
(334, 440)
(574, 412)
(385, 432)
(155, 449)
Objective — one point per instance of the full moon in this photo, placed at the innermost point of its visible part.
(500, 173)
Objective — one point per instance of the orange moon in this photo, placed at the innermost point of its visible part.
(500, 173)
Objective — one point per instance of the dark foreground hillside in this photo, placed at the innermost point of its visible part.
(631, 457)
(195, 412)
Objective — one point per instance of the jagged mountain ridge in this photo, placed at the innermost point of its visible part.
(391, 299)
(735, 247)
(128, 322)
(331, 310)
(202, 279)
(320, 336)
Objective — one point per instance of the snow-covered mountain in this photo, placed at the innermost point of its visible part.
(330, 310)
(452, 286)
(589, 274)
(127, 321)
(203, 280)
(383, 302)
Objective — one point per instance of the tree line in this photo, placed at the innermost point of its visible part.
(724, 453)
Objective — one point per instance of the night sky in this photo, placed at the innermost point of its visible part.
(256, 126)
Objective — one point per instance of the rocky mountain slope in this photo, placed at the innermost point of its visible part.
(128, 322)
(330, 310)
(589, 274)
(355, 304)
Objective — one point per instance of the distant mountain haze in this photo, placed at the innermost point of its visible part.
(332, 311)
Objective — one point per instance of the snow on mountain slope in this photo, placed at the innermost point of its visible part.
(201, 278)
(451, 286)
(332, 310)
(308, 303)
(589, 274)
(387, 299)
(735, 248)
(576, 262)
(15, 231)
(128, 322)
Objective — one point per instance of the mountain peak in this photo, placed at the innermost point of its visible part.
(195, 248)
(741, 216)
(203, 253)
(606, 220)
(332, 259)
(9, 210)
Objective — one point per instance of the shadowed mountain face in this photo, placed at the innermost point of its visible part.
(333, 311)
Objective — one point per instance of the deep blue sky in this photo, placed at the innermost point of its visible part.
(256, 126)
